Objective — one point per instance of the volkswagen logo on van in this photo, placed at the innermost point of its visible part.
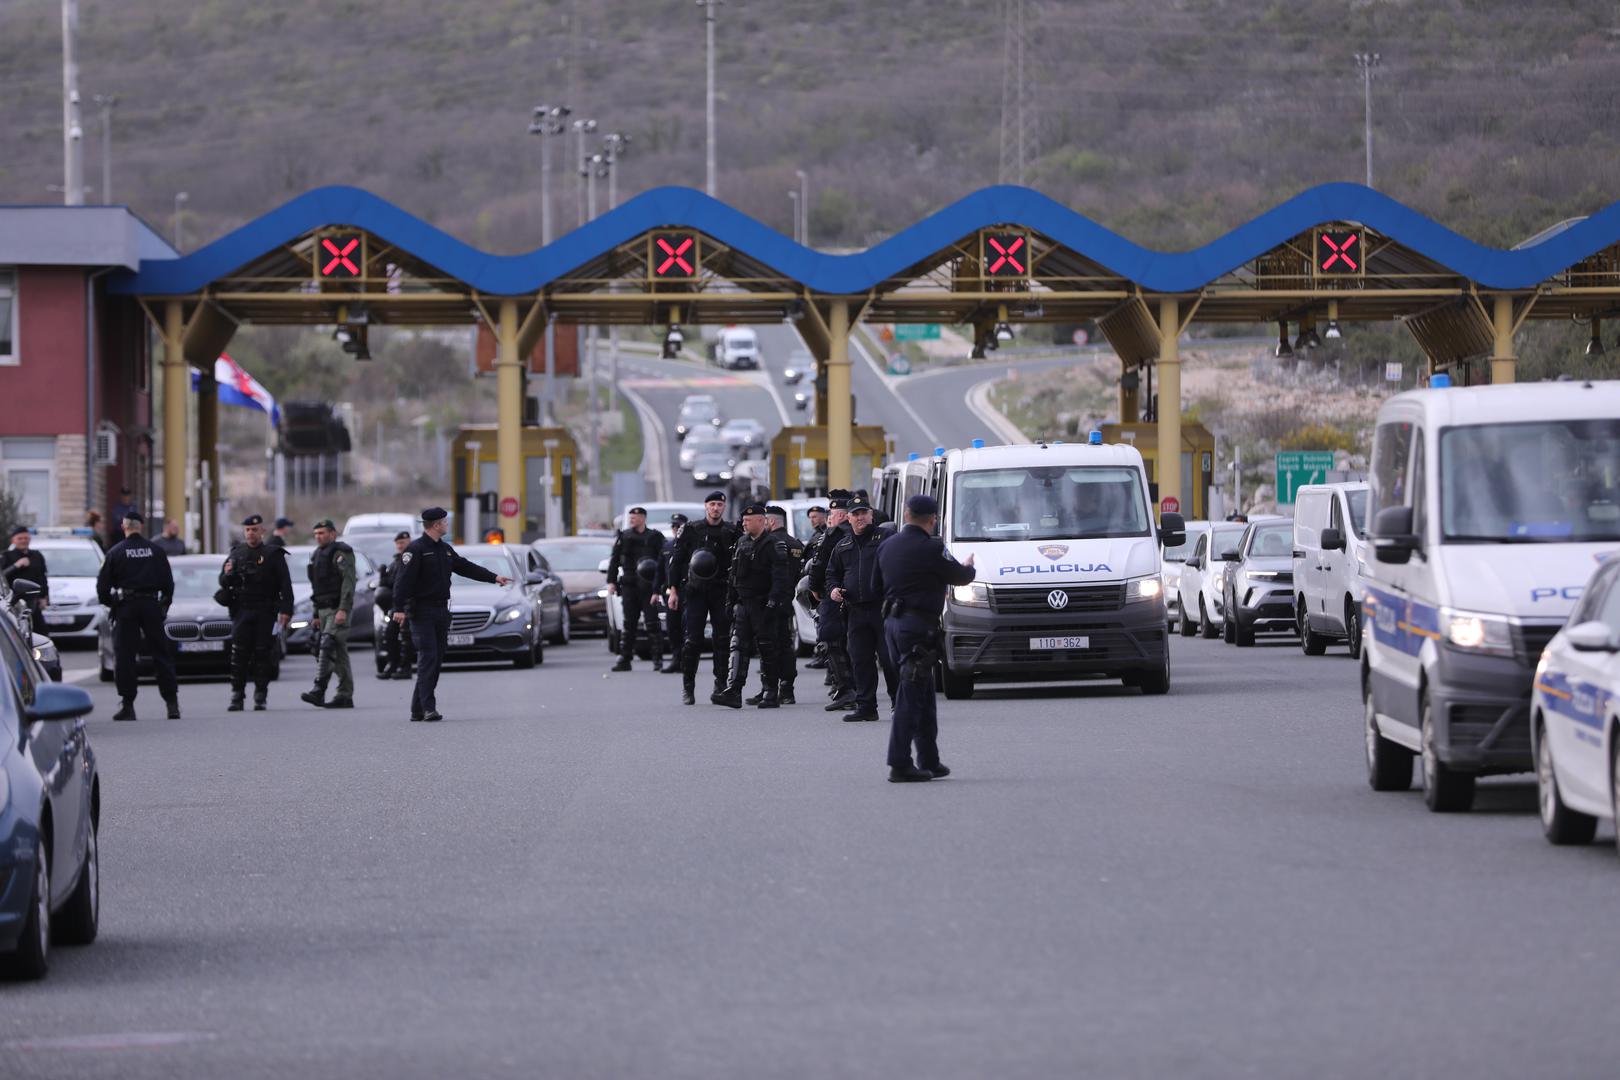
(1057, 599)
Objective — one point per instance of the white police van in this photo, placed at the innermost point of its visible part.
(1490, 507)
(1068, 561)
(1330, 542)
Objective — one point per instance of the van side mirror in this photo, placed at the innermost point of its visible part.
(1332, 540)
(1393, 539)
(1231, 556)
(1591, 636)
(1172, 530)
(25, 588)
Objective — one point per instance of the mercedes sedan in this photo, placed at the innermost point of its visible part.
(493, 622)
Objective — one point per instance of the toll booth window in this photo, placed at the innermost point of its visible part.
(1543, 482)
(1048, 503)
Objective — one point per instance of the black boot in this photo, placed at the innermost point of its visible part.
(784, 692)
(236, 701)
(261, 698)
(173, 704)
(768, 699)
(756, 699)
(341, 702)
(622, 665)
(126, 711)
(688, 687)
(316, 697)
(731, 697)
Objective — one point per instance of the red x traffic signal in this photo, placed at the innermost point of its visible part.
(673, 256)
(1339, 252)
(1006, 255)
(339, 256)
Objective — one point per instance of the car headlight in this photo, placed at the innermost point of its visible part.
(511, 613)
(725, 474)
(1143, 588)
(1476, 633)
(972, 593)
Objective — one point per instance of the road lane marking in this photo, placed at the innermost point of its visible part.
(978, 403)
(654, 464)
(887, 382)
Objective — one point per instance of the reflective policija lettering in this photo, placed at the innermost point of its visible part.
(137, 553)
(1058, 568)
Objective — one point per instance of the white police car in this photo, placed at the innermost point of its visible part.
(1575, 715)
(1490, 506)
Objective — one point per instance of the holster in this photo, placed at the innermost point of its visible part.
(893, 607)
(917, 666)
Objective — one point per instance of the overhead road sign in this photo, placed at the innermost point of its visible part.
(1295, 468)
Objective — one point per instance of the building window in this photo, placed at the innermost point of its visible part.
(28, 470)
(8, 317)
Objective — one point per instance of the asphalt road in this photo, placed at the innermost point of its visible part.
(573, 876)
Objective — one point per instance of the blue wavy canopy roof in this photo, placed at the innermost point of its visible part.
(1153, 271)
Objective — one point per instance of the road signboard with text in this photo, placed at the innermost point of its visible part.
(916, 332)
(1295, 468)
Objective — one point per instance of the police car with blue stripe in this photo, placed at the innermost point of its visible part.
(1490, 507)
(1575, 715)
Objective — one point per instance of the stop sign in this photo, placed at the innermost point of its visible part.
(509, 507)
(1170, 505)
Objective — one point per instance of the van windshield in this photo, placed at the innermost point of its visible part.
(1552, 481)
(1048, 503)
(1358, 511)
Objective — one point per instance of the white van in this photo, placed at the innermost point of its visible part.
(1330, 548)
(1068, 564)
(737, 347)
(1490, 507)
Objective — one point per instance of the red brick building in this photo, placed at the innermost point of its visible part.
(76, 374)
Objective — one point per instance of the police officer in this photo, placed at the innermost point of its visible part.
(878, 516)
(21, 562)
(422, 596)
(259, 589)
(916, 570)
(331, 579)
(787, 644)
(817, 516)
(283, 529)
(398, 652)
(760, 593)
(136, 584)
(630, 547)
(853, 580)
(698, 592)
(672, 615)
(831, 628)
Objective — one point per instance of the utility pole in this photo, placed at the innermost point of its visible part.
(581, 128)
(709, 177)
(180, 199)
(804, 207)
(548, 120)
(590, 169)
(106, 103)
(613, 144)
(1366, 62)
(72, 129)
(1017, 109)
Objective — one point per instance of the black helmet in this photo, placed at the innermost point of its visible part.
(704, 565)
(647, 569)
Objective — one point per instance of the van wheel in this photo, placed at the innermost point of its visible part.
(1206, 629)
(1559, 823)
(1389, 765)
(1352, 628)
(1444, 791)
(1155, 681)
(1313, 643)
(1188, 627)
(957, 687)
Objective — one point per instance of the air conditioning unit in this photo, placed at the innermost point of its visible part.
(106, 448)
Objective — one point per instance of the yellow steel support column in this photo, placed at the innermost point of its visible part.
(1503, 360)
(1168, 472)
(509, 418)
(838, 418)
(1130, 409)
(207, 453)
(176, 396)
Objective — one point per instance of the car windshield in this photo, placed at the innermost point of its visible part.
(378, 548)
(1273, 541)
(1552, 481)
(1358, 511)
(494, 562)
(699, 410)
(195, 581)
(566, 557)
(1225, 541)
(1048, 503)
(76, 561)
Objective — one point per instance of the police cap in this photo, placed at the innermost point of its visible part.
(642, 510)
(816, 510)
(922, 506)
(131, 514)
(753, 508)
(325, 523)
(647, 569)
(432, 514)
(863, 494)
(840, 493)
(678, 519)
(252, 519)
(15, 529)
(284, 523)
(857, 504)
(402, 535)
(838, 502)
(776, 510)
(715, 496)
(703, 565)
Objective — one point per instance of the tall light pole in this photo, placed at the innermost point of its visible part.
(106, 102)
(798, 231)
(548, 120)
(180, 200)
(72, 128)
(591, 168)
(1367, 61)
(709, 177)
(804, 207)
(613, 144)
(581, 129)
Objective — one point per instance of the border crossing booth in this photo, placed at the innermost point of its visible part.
(546, 506)
(1197, 463)
(793, 446)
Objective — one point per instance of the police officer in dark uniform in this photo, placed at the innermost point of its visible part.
(136, 584)
(760, 593)
(259, 590)
(422, 596)
(878, 516)
(916, 570)
(698, 589)
(278, 536)
(630, 548)
(21, 561)
(853, 580)
(398, 651)
(831, 628)
(787, 646)
(817, 516)
(672, 615)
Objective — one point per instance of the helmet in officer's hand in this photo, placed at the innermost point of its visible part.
(802, 592)
(704, 565)
(647, 569)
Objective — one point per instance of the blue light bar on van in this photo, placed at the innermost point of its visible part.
(1440, 381)
(939, 451)
(1095, 438)
(978, 444)
(913, 456)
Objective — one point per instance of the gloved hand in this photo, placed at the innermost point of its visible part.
(772, 605)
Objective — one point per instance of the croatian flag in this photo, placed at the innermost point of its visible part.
(237, 387)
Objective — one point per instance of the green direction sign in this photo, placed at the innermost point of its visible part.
(1299, 467)
(916, 332)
